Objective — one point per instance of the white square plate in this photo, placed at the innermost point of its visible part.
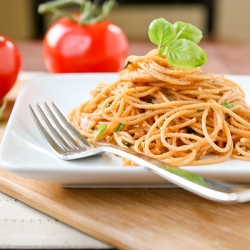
(24, 152)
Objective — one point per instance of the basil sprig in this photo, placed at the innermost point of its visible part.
(178, 42)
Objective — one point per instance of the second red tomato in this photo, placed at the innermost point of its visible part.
(10, 63)
(71, 47)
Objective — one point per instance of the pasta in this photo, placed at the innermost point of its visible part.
(181, 117)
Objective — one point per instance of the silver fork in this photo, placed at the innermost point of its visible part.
(69, 144)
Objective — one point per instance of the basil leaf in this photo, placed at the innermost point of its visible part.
(128, 62)
(161, 32)
(109, 104)
(150, 100)
(187, 31)
(101, 128)
(119, 127)
(126, 143)
(185, 54)
(228, 105)
(200, 110)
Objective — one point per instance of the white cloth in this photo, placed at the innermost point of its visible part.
(22, 226)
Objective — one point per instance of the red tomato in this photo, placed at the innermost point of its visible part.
(10, 62)
(72, 47)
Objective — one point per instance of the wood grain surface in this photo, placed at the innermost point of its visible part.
(137, 218)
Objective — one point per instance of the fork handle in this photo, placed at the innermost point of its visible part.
(202, 186)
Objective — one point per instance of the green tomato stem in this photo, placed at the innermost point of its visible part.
(85, 11)
(89, 12)
(49, 6)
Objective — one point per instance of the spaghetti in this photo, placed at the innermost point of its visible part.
(181, 117)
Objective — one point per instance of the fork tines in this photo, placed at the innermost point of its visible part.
(57, 130)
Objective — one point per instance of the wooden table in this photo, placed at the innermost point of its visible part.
(223, 58)
(141, 218)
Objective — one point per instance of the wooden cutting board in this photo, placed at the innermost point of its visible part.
(136, 218)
